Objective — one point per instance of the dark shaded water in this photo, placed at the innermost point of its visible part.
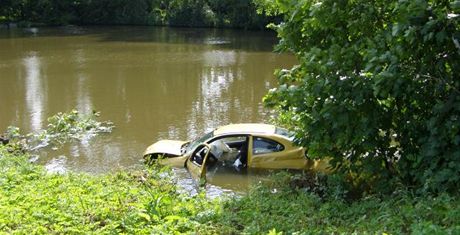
(153, 83)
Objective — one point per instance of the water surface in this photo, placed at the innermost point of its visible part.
(153, 83)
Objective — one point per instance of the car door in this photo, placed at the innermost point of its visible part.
(196, 163)
(272, 153)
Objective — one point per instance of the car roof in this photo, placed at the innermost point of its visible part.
(245, 128)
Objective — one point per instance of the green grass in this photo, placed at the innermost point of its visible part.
(291, 210)
(34, 201)
(147, 202)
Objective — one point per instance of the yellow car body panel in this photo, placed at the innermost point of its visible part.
(245, 128)
(291, 157)
(171, 147)
(178, 161)
(282, 154)
(195, 170)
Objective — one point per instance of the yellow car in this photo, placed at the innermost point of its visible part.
(237, 145)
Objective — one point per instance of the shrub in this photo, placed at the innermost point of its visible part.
(377, 88)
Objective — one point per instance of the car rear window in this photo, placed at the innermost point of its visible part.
(284, 132)
(264, 145)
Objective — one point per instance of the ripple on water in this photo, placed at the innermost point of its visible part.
(188, 185)
(57, 165)
(217, 41)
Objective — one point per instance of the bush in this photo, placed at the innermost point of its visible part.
(61, 128)
(189, 13)
(377, 88)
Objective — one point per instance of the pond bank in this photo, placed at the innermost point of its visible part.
(145, 202)
(34, 201)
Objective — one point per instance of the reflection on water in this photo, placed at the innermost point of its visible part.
(34, 90)
(84, 104)
(153, 83)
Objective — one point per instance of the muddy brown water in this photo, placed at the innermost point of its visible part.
(152, 82)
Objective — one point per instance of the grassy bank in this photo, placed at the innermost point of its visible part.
(282, 207)
(34, 201)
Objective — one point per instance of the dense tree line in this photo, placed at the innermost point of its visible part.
(377, 89)
(196, 13)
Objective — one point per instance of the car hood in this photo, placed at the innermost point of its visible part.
(172, 147)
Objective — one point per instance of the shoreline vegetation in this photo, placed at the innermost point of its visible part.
(146, 201)
(242, 14)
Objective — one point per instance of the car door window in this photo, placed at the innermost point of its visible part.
(264, 145)
(199, 155)
(230, 151)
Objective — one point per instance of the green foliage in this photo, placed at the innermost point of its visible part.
(121, 12)
(377, 89)
(280, 207)
(10, 10)
(239, 13)
(189, 13)
(144, 202)
(196, 13)
(61, 128)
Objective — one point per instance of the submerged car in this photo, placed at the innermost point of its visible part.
(240, 146)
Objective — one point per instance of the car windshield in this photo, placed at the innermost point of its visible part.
(192, 145)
